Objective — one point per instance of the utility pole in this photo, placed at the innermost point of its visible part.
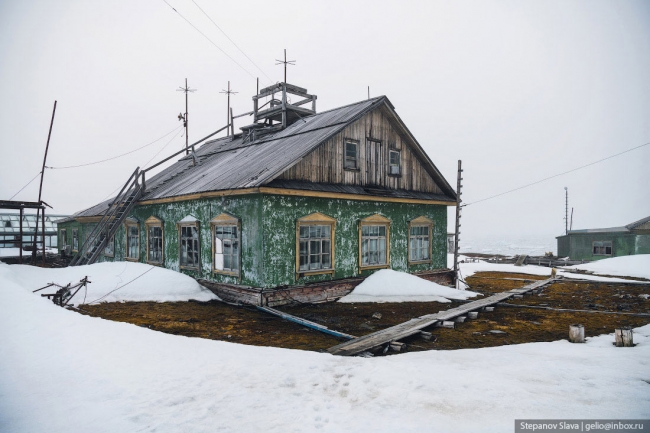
(40, 191)
(285, 63)
(566, 210)
(228, 110)
(458, 209)
(183, 117)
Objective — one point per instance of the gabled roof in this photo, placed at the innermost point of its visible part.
(637, 224)
(231, 163)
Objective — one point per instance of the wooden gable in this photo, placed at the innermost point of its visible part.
(377, 133)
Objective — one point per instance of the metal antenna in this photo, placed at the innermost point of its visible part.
(183, 117)
(228, 92)
(285, 63)
(566, 210)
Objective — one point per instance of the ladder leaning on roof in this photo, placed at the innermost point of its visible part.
(115, 215)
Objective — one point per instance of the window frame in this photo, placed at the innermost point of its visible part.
(225, 219)
(111, 241)
(127, 225)
(347, 141)
(75, 236)
(374, 220)
(399, 162)
(188, 223)
(420, 221)
(64, 237)
(316, 219)
(611, 248)
(151, 222)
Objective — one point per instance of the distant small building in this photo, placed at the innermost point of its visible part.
(596, 244)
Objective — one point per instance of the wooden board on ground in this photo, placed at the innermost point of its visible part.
(413, 326)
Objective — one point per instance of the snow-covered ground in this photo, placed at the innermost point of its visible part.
(629, 266)
(112, 282)
(64, 372)
(387, 285)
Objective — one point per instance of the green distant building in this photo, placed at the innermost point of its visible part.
(297, 197)
(596, 244)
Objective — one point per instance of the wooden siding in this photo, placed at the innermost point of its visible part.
(376, 135)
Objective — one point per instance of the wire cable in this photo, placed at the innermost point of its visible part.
(233, 42)
(118, 156)
(556, 175)
(210, 40)
(123, 285)
(145, 164)
(25, 185)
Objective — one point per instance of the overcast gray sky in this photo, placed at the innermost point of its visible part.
(519, 90)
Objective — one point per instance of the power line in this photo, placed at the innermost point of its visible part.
(233, 42)
(34, 178)
(210, 40)
(146, 163)
(118, 156)
(556, 175)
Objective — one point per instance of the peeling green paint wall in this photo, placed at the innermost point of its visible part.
(268, 235)
(282, 212)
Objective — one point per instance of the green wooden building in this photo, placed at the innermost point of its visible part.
(595, 244)
(296, 197)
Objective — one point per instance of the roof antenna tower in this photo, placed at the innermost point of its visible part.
(183, 117)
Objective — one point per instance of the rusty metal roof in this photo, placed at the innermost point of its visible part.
(233, 163)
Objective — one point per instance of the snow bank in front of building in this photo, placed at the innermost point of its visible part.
(387, 285)
(112, 282)
(627, 266)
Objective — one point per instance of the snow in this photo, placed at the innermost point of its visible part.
(387, 285)
(149, 283)
(628, 266)
(15, 252)
(64, 372)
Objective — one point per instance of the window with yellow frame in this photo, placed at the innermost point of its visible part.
(420, 240)
(374, 242)
(315, 244)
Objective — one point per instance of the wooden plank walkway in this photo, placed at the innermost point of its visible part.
(414, 326)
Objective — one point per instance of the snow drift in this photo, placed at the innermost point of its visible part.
(112, 282)
(387, 285)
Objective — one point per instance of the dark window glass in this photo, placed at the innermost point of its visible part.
(351, 154)
(315, 247)
(189, 246)
(373, 245)
(226, 248)
(155, 253)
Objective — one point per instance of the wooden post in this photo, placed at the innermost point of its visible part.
(472, 315)
(232, 124)
(624, 337)
(284, 104)
(22, 213)
(43, 232)
(457, 231)
(576, 333)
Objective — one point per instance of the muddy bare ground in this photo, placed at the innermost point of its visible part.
(218, 321)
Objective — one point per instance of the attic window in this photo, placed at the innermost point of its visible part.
(351, 156)
(394, 162)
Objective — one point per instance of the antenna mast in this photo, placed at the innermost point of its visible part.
(229, 118)
(285, 63)
(183, 117)
(566, 210)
